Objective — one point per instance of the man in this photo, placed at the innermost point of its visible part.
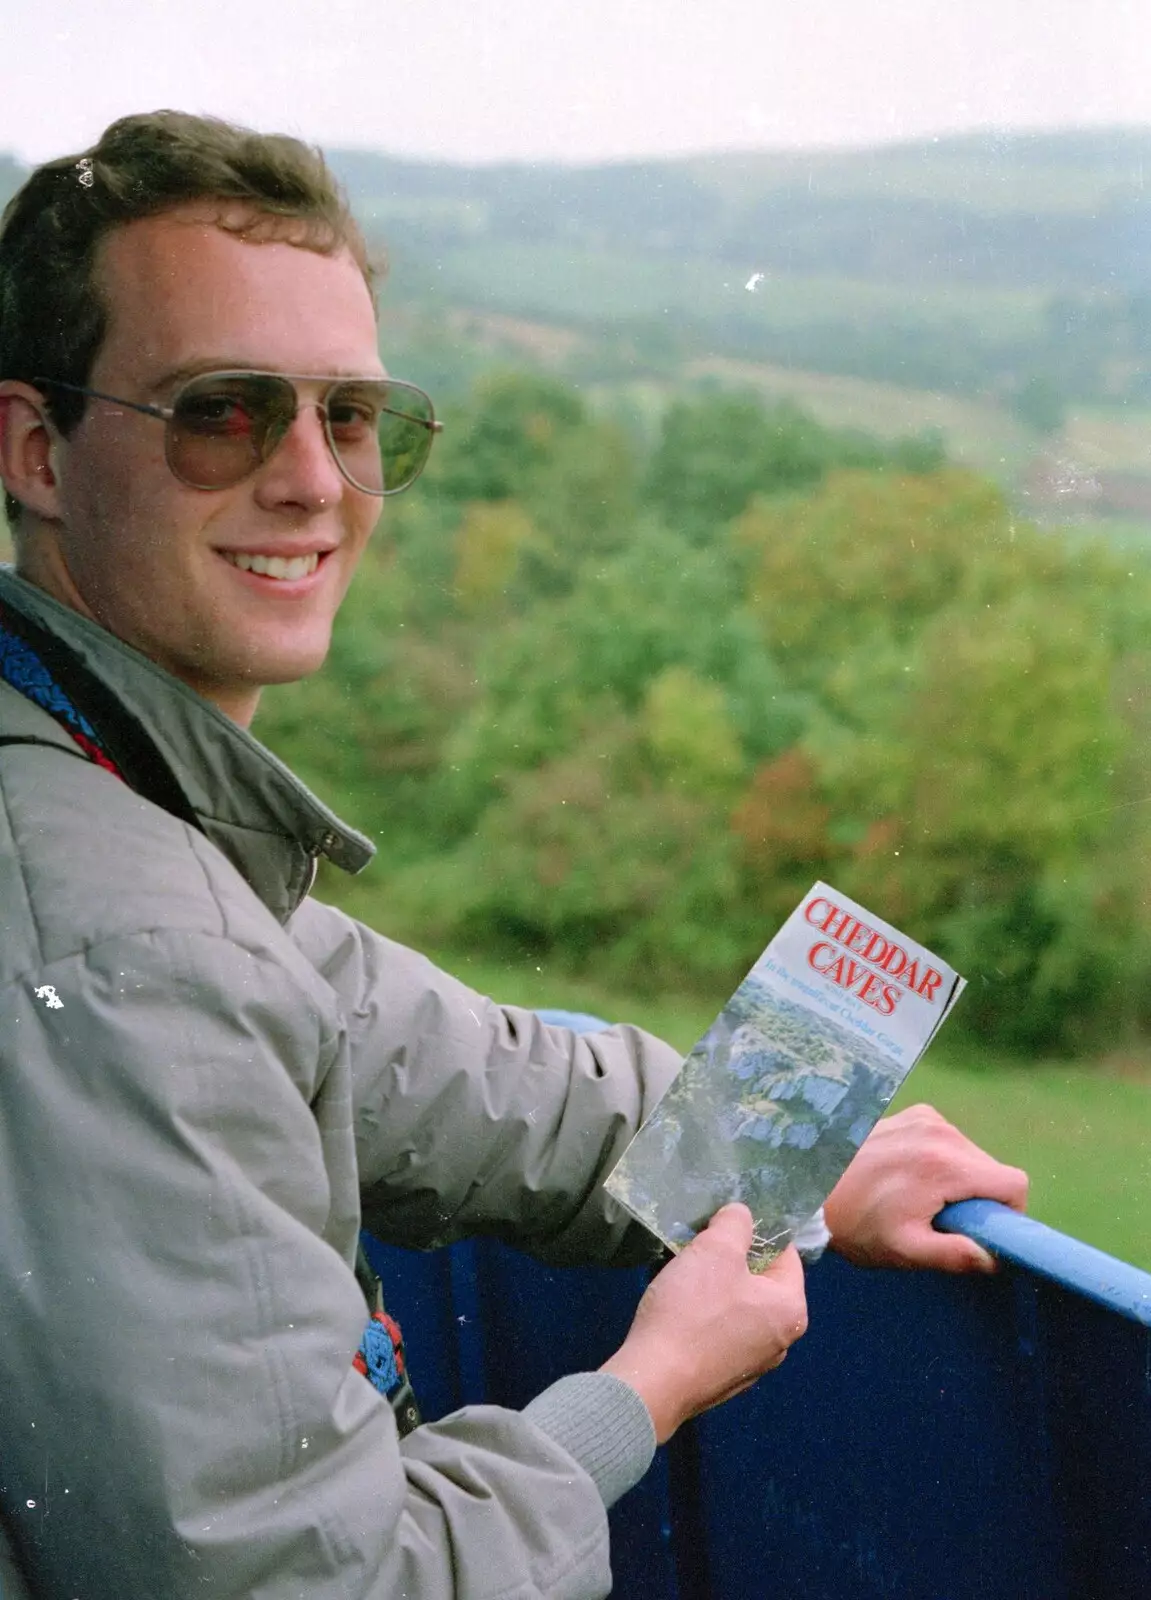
(208, 1079)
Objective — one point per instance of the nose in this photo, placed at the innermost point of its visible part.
(301, 474)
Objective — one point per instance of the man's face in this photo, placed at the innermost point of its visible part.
(150, 558)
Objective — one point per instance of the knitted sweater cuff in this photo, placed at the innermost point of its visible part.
(603, 1423)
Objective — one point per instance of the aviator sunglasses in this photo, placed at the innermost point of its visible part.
(222, 426)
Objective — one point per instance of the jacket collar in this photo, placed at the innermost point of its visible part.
(268, 824)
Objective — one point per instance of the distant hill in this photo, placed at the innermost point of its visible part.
(1064, 210)
(1009, 266)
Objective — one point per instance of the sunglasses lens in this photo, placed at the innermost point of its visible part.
(223, 427)
(381, 433)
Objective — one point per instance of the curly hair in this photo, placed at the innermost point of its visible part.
(52, 317)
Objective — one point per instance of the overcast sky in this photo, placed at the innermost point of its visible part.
(574, 80)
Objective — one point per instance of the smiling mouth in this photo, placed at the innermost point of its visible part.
(283, 567)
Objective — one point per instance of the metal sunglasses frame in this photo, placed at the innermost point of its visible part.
(167, 414)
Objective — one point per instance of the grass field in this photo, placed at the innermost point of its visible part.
(559, 281)
(1081, 1131)
(978, 433)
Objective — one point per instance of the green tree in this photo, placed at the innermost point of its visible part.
(966, 739)
(689, 734)
(716, 452)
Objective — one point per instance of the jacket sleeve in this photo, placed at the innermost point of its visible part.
(178, 1318)
(472, 1117)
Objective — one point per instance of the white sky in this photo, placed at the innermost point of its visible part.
(573, 80)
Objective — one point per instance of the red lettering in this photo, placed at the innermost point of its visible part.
(894, 960)
(868, 987)
(814, 951)
(890, 958)
(835, 925)
(812, 913)
(836, 973)
(840, 969)
(861, 932)
(887, 1001)
(929, 983)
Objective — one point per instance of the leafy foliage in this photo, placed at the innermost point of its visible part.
(621, 708)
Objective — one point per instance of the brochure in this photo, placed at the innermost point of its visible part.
(776, 1098)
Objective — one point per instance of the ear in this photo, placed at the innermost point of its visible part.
(27, 449)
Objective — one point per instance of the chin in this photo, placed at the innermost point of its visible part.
(287, 666)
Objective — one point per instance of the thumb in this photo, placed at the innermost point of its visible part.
(786, 1271)
(732, 1225)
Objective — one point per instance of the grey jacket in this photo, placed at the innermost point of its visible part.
(233, 1077)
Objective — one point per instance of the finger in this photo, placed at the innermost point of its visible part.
(918, 1115)
(949, 1252)
(988, 1179)
(744, 1384)
(1011, 1187)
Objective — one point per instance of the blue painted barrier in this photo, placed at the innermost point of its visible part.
(931, 1438)
(1092, 1273)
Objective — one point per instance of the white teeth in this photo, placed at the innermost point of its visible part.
(275, 566)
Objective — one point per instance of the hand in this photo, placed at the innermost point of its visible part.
(706, 1327)
(907, 1170)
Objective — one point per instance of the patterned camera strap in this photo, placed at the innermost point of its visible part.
(40, 667)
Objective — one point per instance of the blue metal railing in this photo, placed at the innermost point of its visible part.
(1073, 1265)
(930, 1438)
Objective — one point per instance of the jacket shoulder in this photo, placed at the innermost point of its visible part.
(84, 858)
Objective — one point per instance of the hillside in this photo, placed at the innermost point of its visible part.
(1001, 274)
(992, 286)
(1018, 211)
